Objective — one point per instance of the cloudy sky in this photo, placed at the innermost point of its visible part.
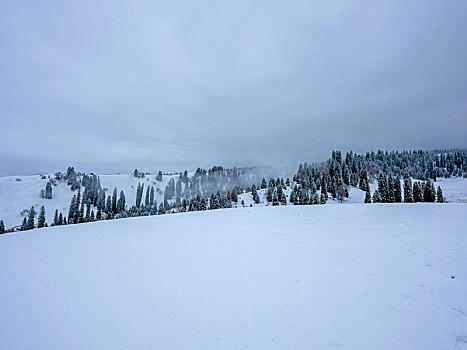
(114, 85)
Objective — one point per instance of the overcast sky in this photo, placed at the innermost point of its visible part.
(172, 85)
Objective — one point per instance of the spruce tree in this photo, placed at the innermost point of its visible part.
(2, 227)
(283, 198)
(368, 195)
(55, 223)
(121, 202)
(397, 190)
(408, 194)
(23, 225)
(114, 201)
(48, 191)
(41, 218)
(383, 190)
(151, 197)
(108, 205)
(146, 200)
(60, 219)
(99, 214)
(71, 211)
(88, 212)
(417, 192)
(81, 213)
(377, 197)
(275, 201)
(30, 222)
(439, 195)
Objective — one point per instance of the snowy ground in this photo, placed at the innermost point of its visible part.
(296, 277)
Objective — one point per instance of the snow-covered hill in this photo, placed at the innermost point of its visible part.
(16, 196)
(390, 276)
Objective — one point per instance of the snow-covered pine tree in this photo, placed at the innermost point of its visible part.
(55, 223)
(397, 190)
(275, 201)
(121, 202)
(382, 188)
(48, 191)
(30, 222)
(108, 205)
(81, 213)
(2, 227)
(408, 193)
(417, 192)
(368, 195)
(114, 201)
(23, 225)
(439, 195)
(88, 212)
(151, 197)
(41, 218)
(60, 219)
(146, 199)
(377, 197)
(283, 198)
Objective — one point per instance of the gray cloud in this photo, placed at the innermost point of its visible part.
(111, 85)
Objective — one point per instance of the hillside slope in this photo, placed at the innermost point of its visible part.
(295, 277)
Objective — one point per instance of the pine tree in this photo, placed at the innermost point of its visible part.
(408, 194)
(30, 222)
(161, 209)
(269, 195)
(81, 213)
(108, 205)
(60, 219)
(151, 197)
(417, 192)
(92, 216)
(71, 211)
(2, 227)
(439, 195)
(368, 195)
(139, 194)
(397, 190)
(283, 198)
(377, 197)
(383, 190)
(275, 201)
(114, 201)
(56, 217)
(23, 225)
(88, 212)
(48, 191)
(146, 200)
(99, 214)
(121, 203)
(41, 218)
(429, 194)
(254, 193)
(391, 194)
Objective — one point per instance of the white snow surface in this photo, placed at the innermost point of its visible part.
(358, 276)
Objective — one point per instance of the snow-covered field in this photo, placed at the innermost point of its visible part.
(296, 277)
